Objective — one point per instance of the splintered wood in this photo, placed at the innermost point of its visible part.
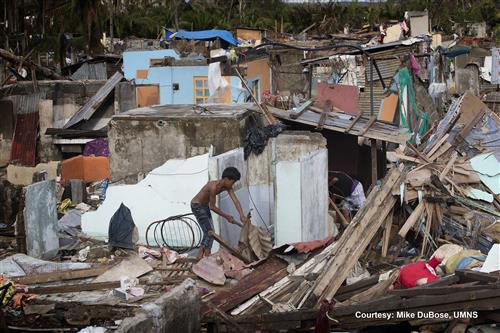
(333, 264)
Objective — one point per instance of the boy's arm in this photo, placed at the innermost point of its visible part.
(237, 205)
(218, 211)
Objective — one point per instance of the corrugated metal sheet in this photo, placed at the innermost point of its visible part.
(364, 98)
(87, 110)
(93, 71)
(26, 103)
(24, 144)
(8, 120)
(387, 67)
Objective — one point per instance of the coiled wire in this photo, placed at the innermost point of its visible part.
(180, 233)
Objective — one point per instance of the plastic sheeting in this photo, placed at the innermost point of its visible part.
(206, 35)
(121, 228)
(166, 191)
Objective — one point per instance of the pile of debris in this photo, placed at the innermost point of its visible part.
(441, 198)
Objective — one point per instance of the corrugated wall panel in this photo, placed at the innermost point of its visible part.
(24, 144)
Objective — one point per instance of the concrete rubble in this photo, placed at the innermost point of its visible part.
(368, 198)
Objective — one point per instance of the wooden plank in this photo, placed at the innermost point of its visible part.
(368, 125)
(379, 131)
(468, 127)
(418, 153)
(428, 223)
(412, 219)
(294, 114)
(396, 303)
(469, 275)
(448, 166)
(437, 145)
(441, 290)
(386, 238)
(70, 288)
(351, 125)
(365, 283)
(322, 120)
(60, 275)
(443, 149)
(269, 117)
(373, 153)
(228, 247)
(263, 276)
(356, 237)
(343, 220)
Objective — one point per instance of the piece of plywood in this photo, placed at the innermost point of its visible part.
(147, 95)
(388, 108)
(469, 108)
(131, 267)
(343, 97)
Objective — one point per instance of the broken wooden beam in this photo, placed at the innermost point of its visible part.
(70, 288)
(295, 113)
(60, 275)
(342, 218)
(351, 125)
(412, 219)
(20, 60)
(368, 125)
(356, 237)
(228, 247)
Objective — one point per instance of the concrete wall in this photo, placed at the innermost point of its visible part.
(286, 186)
(176, 311)
(259, 69)
(138, 145)
(183, 76)
(137, 60)
(56, 101)
(301, 191)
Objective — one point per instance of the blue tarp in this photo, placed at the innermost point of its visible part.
(206, 35)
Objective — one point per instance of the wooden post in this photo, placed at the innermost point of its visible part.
(373, 144)
(228, 247)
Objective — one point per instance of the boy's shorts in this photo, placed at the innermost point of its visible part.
(204, 218)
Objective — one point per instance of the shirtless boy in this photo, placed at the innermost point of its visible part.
(204, 201)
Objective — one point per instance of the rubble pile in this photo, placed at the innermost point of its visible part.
(346, 182)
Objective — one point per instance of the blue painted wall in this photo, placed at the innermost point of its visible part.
(134, 60)
(165, 77)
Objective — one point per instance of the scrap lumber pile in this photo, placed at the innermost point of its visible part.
(454, 181)
(439, 201)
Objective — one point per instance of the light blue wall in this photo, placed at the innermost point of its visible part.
(165, 77)
(134, 60)
(182, 75)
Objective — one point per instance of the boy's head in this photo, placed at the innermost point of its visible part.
(230, 176)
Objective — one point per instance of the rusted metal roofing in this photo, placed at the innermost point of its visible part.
(87, 110)
(24, 144)
(338, 123)
(91, 71)
(26, 103)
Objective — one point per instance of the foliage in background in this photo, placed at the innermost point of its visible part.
(88, 19)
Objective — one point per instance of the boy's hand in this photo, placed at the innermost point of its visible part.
(243, 219)
(230, 219)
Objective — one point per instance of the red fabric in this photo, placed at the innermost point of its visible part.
(322, 322)
(411, 273)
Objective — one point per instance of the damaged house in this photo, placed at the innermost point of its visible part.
(104, 160)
